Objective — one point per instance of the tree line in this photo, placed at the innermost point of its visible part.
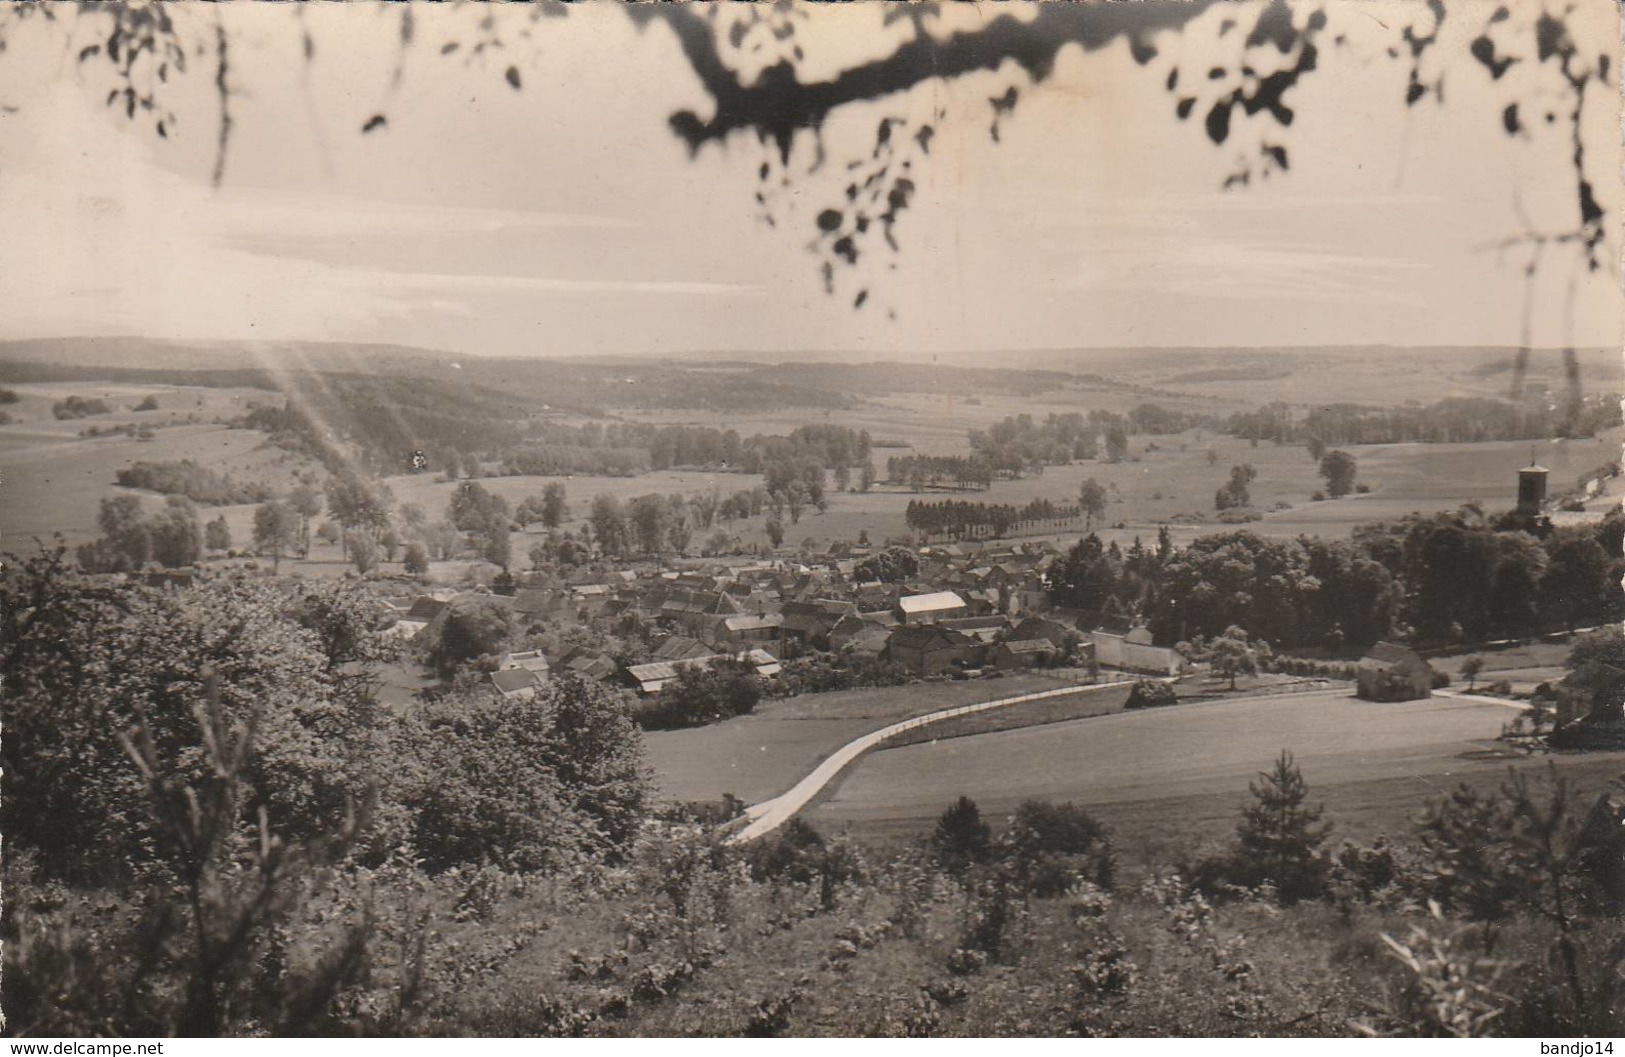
(198, 483)
(1448, 578)
(1020, 444)
(920, 472)
(1453, 420)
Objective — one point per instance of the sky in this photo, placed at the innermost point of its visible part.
(564, 218)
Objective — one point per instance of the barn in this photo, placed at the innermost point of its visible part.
(1389, 672)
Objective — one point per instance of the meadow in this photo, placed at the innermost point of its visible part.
(54, 480)
(1170, 777)
(759, 756)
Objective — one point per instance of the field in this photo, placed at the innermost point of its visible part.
(759, 756)
(1176, 776)
(54, 480)
(1166, 480)
(1525, 666)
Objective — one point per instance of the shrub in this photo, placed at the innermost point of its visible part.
(79, 407)
(962, 839)
(197, 483)
(703, 694)
(1447, 992)
(1151, 693)
(801, 855)
(416, 559)
(1526, 846)
(1048, 848)
(527, 785)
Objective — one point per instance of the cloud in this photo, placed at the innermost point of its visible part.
(113, 242)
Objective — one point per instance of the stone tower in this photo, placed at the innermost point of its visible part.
(1531, 488)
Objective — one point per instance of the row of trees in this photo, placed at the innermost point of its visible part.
(961, 518)
(920, 472)
(1448, 578)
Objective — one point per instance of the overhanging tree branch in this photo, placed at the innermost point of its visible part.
(777, 105)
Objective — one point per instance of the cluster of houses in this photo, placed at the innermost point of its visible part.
(970, 607)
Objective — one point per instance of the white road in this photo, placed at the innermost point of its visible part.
(769, 815)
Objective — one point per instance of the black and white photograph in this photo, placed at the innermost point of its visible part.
(634, 520)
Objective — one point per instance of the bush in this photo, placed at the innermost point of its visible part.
(1151, 693)
(1440, 678)
(79, 407)
(962, 839)
(527, 785)
(197, 483)
(1050, 847)
(416, 559)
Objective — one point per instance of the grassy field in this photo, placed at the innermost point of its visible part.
(54, 479)
(1177, 775)
(1525, 666)
(759, 756)
(1166, 480)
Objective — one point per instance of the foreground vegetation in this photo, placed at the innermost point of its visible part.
(215, 829)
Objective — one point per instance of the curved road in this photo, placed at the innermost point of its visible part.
(769, 815)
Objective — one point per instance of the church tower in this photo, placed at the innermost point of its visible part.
(1531, 487)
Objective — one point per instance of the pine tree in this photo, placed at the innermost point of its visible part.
(1280, 837)
(962, 838)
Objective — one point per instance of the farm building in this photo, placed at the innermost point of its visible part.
(586, 663)
(1056, 633)
(535, 603)
(1393, 673)
(517, 684)
(928, 648)
(930, 608)
(1133, 652)
(982, 629)
(652, 678)
(529, 660)
(1022, 653)
(738, 631)
(864, 636)
(811, 622)
(680, 648)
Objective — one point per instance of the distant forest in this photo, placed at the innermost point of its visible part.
(1456, 420)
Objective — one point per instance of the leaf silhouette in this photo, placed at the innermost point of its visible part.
(1218, 121)
(513, 77)
(376, 121)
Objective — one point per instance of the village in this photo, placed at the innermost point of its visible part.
(971, 610)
